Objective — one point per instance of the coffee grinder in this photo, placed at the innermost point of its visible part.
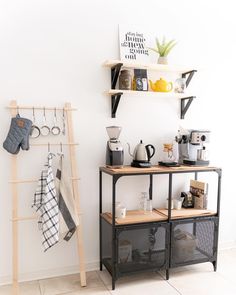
(193, 147)
(115, 151)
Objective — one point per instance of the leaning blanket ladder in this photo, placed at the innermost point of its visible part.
(14, 186)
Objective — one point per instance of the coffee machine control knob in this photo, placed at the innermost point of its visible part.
(203, 137)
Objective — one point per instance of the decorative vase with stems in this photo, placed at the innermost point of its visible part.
(163, 49)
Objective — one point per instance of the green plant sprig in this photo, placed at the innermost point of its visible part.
(164, 48)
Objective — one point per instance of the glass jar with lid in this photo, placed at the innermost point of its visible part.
(125, 80)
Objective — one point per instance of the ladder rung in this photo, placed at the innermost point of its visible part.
(51, 144)
(34, 180)
(24, 218)
(23, 180)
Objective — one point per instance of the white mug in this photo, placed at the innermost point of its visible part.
(121, 212)
(177, 204)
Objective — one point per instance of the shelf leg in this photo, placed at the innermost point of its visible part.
(214, 265)
(100, 219)
(113, 283)
(167, 274)
(113, 258)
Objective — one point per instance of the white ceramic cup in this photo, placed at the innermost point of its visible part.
(121, 212)
(177, 204)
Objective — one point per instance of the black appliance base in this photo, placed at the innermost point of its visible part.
(138, 164)
(169, 164)
(196, 163)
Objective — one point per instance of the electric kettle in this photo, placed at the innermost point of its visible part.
(142, 155)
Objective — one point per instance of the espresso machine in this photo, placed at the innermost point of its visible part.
(193, 147)
(115, 151)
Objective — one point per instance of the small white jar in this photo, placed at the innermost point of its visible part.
(121, 212)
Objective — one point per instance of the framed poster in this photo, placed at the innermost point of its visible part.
(133, 44)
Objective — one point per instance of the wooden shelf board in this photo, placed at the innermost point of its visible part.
(156, 67)
(186, 213)
(135, 216)
(155, 169)
(144, 93)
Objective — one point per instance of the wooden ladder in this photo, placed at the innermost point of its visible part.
(14, 185)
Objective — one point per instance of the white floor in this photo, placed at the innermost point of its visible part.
(197, 279)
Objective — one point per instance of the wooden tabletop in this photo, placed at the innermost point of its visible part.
(156, 169)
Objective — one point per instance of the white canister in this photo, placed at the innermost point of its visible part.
(121, 212)
(117, 206)
(177, 204)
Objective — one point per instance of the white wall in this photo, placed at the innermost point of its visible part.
(52, 51)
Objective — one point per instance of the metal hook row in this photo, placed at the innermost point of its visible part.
(44, 110)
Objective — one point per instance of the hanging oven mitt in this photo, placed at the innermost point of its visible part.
(18, 135)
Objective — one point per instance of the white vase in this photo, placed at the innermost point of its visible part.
(162, 60)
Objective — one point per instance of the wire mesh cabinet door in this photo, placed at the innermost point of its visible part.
(194, 241)
(142, 248)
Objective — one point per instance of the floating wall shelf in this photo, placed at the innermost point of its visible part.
(116, 94)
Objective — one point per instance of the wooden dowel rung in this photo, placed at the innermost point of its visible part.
(24, 218)
(40, 108)
(53, 144)
(18, 181)
(23, 180)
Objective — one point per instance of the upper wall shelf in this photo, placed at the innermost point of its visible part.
(155, 67)
(116, 65)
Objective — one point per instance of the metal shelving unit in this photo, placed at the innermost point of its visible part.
(159, 250)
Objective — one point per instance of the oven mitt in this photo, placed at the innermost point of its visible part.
(18, 135)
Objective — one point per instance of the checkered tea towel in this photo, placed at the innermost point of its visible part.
(46, 202)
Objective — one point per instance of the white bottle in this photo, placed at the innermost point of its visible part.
(118, 206)
(143, 201)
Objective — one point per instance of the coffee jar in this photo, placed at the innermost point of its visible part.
(125, 80)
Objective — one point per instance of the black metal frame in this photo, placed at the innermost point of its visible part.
(115, 98)
(115, 178)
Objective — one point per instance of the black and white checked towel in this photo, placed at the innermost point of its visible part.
(46, 202)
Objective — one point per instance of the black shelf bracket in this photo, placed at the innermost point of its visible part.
(190, 76)
(185, 106)
(115, 99)
(115, 70)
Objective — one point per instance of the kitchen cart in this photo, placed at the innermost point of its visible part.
(144, 242)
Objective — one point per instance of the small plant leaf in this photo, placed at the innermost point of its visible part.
(163, 48)
(158, 45)
(169, 48)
